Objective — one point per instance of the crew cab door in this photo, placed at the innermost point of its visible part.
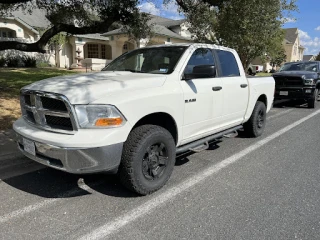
(235, 89)
(203, 97)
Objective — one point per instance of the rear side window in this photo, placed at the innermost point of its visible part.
(228, 64)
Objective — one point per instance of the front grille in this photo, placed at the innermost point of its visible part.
(48, 111)
(288, 81)
(53, 104)
(27, 99)
(30, 116)
(59, 122)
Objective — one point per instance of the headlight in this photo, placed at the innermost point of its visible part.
(99, 116)
(309, 81)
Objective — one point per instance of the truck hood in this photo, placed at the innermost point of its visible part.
(86, 88)
(294, 73)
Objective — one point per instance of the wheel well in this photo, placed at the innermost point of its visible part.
(160, 119)
(263, 98)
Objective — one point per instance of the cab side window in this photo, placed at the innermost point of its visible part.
(201, 56)
(228, 64)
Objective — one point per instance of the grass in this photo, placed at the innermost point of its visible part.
(11, 81)
(261, 74)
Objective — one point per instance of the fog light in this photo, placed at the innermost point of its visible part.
(308, 91)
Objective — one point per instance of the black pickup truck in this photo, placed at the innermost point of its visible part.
(298, 80)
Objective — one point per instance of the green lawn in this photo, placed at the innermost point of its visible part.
(264, 74)
(11, 80)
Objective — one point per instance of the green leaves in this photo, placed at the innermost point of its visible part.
(252, 27)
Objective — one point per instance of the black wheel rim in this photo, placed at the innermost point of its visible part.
(155, 161)
(261, 119)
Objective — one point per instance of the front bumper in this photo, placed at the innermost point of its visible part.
(294, 93)
(75, 160)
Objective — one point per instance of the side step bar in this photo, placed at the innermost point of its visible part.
(197, 144)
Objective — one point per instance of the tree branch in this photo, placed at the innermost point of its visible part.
(97, 27)
(9, 2)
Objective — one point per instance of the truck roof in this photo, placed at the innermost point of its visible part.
(192, 44)
(303, 62)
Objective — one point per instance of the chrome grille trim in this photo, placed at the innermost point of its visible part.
(39, 112)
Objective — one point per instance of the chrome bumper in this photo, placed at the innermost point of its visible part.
(75, 160)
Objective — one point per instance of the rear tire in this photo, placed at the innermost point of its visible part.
(257, 122)
(148, 159)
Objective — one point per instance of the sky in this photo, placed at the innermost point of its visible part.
(307, 20)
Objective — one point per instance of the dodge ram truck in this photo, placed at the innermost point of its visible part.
(298, 80)
(140, 111)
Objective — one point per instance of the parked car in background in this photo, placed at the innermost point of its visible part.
(298, 80)
(254, 69)
(144, 108)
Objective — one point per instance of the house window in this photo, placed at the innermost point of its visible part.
(125, 46)
(168, 39)
(103, 52)
(93, 51)
(7, 33)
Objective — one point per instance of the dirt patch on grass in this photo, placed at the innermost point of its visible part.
(9, 110)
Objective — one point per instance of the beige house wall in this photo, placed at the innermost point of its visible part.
(293, 51)
(20, 30)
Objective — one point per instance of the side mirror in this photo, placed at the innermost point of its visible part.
(201, 71)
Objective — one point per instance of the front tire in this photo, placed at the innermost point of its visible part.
(148, 159)
(257, 122)
(313, 100)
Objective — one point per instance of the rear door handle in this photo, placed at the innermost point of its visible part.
(244, 85)
(216, 88)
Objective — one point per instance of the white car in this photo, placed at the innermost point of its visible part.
(144, 108)
(254, 69)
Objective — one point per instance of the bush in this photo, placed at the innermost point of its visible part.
(43, 64)
(29, 62)
(2, 61)
(13, 61)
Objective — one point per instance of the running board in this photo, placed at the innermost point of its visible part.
(199, 146)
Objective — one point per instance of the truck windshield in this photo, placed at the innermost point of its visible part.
(157, 60)
(300, 66)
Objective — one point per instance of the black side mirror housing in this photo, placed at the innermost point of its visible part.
(201, 71)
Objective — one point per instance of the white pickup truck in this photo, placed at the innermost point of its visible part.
(145, 107)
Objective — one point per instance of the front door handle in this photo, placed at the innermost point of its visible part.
(216, 88)
(244, 85)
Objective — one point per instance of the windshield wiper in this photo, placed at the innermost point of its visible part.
(134, 71)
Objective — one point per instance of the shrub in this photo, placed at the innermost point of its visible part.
(2, 61)
(43, 64)
(29, 62)
(13, 61)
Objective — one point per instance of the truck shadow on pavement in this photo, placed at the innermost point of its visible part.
(51, 183)
(290, 104)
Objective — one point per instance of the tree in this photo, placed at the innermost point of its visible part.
(139, 28)
(73, 17)
(318, 57)
(252, 27)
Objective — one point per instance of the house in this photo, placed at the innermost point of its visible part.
(309, 58)
(292, 46)
(91, 51)
(294, 49)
